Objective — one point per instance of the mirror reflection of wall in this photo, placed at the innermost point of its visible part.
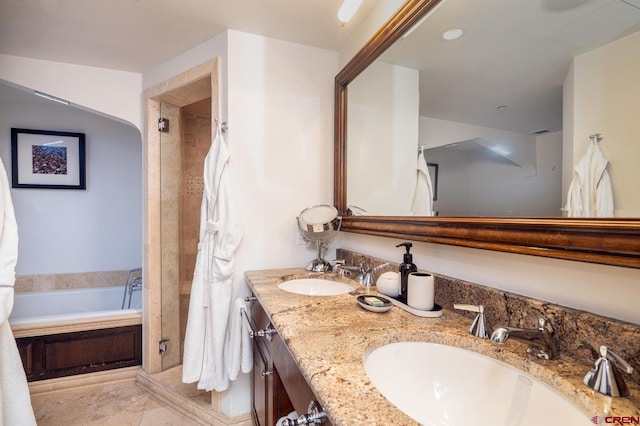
(526, 80)
(475, 180)
(383, 118)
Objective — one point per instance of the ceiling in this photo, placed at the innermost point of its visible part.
(489, 64)
(136, 35)
(514, 54)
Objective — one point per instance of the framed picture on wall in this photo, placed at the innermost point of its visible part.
(47, 159)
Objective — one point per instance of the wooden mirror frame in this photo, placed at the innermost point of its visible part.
(605, 241)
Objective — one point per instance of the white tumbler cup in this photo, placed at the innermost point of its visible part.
(420, 291)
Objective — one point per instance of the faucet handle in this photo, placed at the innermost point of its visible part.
(542, 324)
(478, 327)
(607, 353)
(341, 268)
(605, 376)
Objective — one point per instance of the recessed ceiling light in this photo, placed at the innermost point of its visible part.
(453, 34)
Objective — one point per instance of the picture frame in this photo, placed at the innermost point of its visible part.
(47, 159)
(433, 174)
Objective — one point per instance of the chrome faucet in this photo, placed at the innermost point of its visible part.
(540, 341)
(605, 376)
(364, 275)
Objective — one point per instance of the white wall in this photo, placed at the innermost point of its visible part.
(280, 114)
(278, 102)
(605, 94)
(280, 137)
(280, 132)
(65, 231)
(105, 91)
(382, 135)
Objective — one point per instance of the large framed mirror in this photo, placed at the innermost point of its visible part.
(409, 91)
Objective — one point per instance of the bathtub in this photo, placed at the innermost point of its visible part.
(42, 308)
(67, 332)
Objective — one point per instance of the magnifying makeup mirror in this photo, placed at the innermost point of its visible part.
(318, 226)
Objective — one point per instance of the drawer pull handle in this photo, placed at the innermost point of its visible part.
(262, 333)
(266, 373)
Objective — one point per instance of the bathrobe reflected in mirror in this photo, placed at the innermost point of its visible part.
(590, 192)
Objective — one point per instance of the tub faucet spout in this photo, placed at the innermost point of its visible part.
(540, 341)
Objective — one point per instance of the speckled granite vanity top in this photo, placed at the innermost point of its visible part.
(329, 336)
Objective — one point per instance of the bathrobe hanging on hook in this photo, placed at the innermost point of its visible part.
(212, 285)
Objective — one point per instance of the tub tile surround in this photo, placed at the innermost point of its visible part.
(329, 336)
(47, 282)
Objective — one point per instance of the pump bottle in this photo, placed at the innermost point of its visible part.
(406, 268)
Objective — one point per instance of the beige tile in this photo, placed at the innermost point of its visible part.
(66, 281)
(108, 405)
(157, 414)
(25, 283)
(45, 282)
(111, 278)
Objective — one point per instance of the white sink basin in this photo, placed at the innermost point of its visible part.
(315, 287)
(443, 385)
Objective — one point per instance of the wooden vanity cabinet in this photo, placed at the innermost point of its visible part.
(269, 398)
(278, 386)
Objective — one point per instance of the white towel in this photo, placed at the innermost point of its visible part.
(15, 402)
(239, 356)
(422, 204)
(590, 193)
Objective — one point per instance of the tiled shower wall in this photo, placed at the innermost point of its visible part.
(196, 141)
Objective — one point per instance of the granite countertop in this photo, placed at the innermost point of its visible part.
(329, 337)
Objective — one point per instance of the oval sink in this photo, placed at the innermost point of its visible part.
(443, 385)
(315, 287)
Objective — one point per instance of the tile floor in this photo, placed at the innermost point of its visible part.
(119, 404)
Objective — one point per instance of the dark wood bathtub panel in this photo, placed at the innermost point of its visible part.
(26, 354)
(73, 351)
(59, 355)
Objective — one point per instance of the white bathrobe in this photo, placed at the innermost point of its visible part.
(212, 286)
(590, 193)
(422, 204)
(15, 402)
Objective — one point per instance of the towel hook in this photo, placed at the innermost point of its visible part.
(223, 125)
(596, 137)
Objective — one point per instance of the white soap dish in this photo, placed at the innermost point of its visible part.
(384, 308)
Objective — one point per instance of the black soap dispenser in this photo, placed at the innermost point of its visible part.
(406, 268)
